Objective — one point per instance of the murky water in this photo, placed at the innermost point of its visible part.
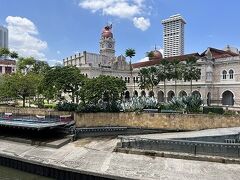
(12, 174)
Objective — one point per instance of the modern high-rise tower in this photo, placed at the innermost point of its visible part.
(3, 37)
(173, 35)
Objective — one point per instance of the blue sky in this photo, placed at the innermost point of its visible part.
(55, 29)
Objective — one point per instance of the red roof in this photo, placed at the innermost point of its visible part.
(7, 62)
(157, 61)
(217, 53)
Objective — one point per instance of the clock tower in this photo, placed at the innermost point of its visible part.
(107, 42)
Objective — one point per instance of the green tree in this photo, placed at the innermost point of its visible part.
(150, 54)
(13, 55)
(4, 52)
(175, 72)
(102, 88)
(19, 86)
(163, 74)
(67, 79)
(191, 71)
(40, 67)
(131, 53)
(148, 78)
(25, 64)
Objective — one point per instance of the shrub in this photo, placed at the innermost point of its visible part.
(137, 104)
(212, 109)
(65, 106)
(230, 113)
(188, 104)
(49, 106)
(99, 107)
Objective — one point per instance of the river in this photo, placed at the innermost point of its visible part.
(12, 174)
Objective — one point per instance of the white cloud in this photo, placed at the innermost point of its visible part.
(141, 23)
(129, 9)
(58, 52)
(144, 59)
(53, 62)
(23, 37)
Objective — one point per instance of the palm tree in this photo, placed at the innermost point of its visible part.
(130, 53)
(149, 54)
(148, 78)
(163, 74)
(175, 72)
(191, 72)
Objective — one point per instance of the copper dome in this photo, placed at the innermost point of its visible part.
(156, 55)
(106, 33)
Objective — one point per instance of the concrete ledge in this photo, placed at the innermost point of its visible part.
(51, 170)
(179, 156)
(52, 144)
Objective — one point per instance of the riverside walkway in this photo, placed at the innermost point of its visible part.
(96, 156)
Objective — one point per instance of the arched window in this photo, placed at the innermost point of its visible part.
(231, 73)
(224, 74)
(128, 80)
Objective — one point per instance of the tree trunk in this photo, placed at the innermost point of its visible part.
(176, 88)
(24, 99)
(191, 86)
(165, 91)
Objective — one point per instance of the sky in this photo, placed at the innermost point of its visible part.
(52, 30)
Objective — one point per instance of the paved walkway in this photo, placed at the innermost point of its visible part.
(207, 132)
(95, 155)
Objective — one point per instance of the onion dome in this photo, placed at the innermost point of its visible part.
(106, 33)
(155, 55)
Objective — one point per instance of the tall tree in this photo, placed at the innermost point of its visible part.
(131, 53)
(102, 88)
(4, 52)
(67, 79)
(150, 54)
(191, 71)
(163, 74)
(148, 78)
(176, 72)
(19, 86)
(25, 64)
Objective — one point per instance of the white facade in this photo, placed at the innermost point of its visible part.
(173, 36)
(3, 37)
(219, 83)
(104, 63)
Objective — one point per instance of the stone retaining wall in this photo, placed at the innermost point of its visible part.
(139, 120)
(157, 120)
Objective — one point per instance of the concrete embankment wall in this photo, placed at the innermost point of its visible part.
(140, 120)
(157, 120)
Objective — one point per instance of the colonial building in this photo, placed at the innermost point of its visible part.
(219, 82)
(104, 63)
(7, 66)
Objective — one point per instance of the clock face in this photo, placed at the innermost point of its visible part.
(109, 45)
